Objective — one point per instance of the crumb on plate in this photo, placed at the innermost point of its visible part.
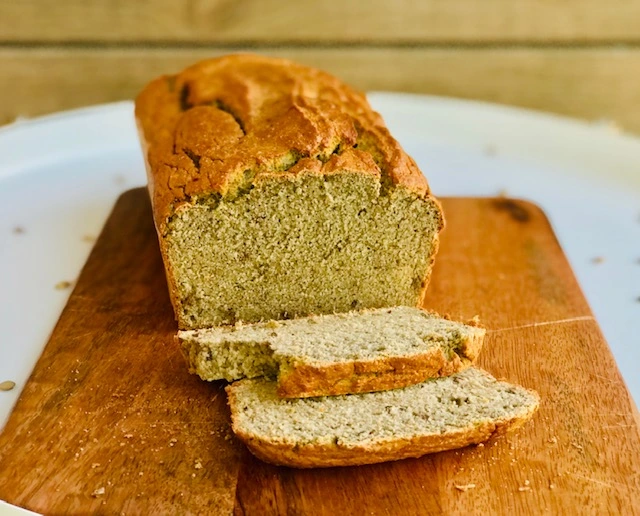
(7, 385)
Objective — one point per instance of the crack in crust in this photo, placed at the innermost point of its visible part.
(223, 107)
(223, 123)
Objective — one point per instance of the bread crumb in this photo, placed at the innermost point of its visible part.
(552, 440)
(95, 465)
(464, 487)
(526, 483)
(474, 321)
(88, 238)
(524, 488)
(61, 285)
(98, 492)
(490, 150)
(18, 230)
(128, 436)
(502, 193)
(577, 446)
(480, 445)
(597, 259)
(552, 486)
(193, 475)
(141, 473)
(198, 464)
(172, 441)
(609, 125)
(7, 385)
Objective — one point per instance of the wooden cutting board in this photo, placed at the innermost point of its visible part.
(111, 422)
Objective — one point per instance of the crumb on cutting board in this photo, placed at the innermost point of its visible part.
(475, 322)
(98, 492)
(597, 259)
(18, 230)
(464, 487)
(62, 285)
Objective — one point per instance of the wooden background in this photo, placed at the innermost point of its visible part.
(574, 57)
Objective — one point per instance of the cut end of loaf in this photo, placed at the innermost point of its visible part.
(300, 245)
(436, 415)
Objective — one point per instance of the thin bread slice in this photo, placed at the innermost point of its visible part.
(439, 414)
(364, 351)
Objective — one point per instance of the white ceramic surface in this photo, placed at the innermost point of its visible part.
(61, 174)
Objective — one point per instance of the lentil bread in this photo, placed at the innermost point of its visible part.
(369, 350)
(440, 414)
(278, 192)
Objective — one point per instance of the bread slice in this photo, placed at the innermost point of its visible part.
(278, 192)
(364, 351)
(439, 414)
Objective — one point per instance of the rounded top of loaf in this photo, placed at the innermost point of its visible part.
(222, 124)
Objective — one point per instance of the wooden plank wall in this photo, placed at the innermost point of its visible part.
(574, 57)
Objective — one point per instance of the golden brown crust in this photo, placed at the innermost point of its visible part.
(304, 380)
(223, 122)
(326, 456)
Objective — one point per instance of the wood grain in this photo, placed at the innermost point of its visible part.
(109, 407)
(213, 21)
(589, 84)
(111, 389)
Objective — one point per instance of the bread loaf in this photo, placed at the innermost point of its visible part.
(440, 414)
(278, 192)
(364, 351)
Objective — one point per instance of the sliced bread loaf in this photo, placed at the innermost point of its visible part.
(439, 414)
(364, 351)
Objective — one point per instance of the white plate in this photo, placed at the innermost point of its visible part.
(61, 174)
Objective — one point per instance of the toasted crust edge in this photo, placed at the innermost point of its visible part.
(304, 380)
